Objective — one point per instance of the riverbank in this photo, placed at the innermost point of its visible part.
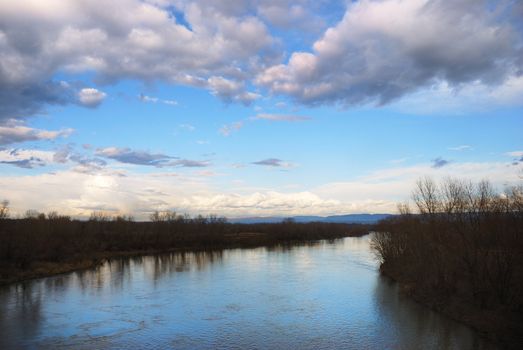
(12, 273)
(500, 326)
(461, 254)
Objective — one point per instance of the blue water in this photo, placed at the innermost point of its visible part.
(327, 295)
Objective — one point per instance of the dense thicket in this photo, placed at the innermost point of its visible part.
(463, 245)
(55, 238)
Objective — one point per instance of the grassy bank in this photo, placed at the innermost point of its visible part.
(461, 253)
(43, 245)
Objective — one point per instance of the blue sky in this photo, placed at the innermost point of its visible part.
(254, 108)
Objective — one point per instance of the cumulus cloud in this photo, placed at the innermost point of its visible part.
(230, 90)
(443, 98)
(15, 133)
(378, 52)
(384, 50)
(19, 100)
(218, 50)
(291, 15)
(90, 97)
(281, 117)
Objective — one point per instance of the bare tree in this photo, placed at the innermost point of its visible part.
(425, 195)
(404, 208)
(470, 249)
(34, 214)
(452, 196)
(160, 216)
(99, 216)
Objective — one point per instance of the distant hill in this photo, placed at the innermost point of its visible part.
(344, 219)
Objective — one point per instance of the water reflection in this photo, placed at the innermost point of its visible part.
(20, 313)
(324, 294)
(407, 322)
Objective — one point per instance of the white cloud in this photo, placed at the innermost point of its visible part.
(144, 42)
(151, 99)
(145, 98)
(170, 102)
(515, 154)
(227, 130)
(26, 158)
(231, 90)
(291, 15)
(398, 160)
(442, 98)
(280, 117)
(263, 204)
(15, 133)
(461, 148)
(511, 92)
(90, 97)
(78, 193)
(392, 185)
(379, 51)
(384, 50)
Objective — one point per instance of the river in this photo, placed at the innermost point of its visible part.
(325, 295)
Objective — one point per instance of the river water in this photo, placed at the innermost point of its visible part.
(326, 295)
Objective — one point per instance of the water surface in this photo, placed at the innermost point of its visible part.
(326, 295)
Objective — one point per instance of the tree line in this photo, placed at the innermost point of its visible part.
(39, 237)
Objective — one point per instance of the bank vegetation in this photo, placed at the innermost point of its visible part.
(460, 251)
(40, 244)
